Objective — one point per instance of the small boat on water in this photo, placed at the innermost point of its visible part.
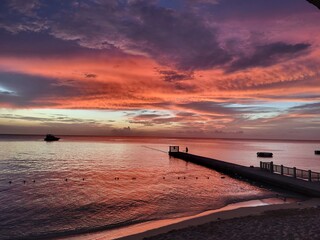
(51, 138)
(317, 152)
(265, 154)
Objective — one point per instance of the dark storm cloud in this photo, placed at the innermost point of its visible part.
(177, 37)
(175, 33)
(172, 37)
(269, 54)
(37, 44)
(26, 90)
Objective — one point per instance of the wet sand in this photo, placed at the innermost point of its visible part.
(298, 220)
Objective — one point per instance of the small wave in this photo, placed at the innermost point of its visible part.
(4, 190)
(73, 232)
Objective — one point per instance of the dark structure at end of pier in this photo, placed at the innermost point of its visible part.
(292, 179)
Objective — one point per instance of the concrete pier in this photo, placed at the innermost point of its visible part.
(311, 189)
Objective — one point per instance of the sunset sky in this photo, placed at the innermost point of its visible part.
(178, 68)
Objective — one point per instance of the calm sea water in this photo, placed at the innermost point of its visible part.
(87, 184)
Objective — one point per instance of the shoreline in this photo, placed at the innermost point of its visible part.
(297, 220)
(153, 228)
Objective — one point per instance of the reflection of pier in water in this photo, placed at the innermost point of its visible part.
(293, 179)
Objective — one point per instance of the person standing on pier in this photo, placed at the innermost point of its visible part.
(187, 149)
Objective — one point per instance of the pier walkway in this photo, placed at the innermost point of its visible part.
(257, 174)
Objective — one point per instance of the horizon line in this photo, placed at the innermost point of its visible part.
(169, 137)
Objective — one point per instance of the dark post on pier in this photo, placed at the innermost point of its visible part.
(305, 182)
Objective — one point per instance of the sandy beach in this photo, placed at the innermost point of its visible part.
(297, 220)
(276, 224)
(247, 219)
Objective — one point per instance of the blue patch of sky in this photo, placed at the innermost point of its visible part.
(254, 116)
(263, 110)
(280, 106)
(5, 90)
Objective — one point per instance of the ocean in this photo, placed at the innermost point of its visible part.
(87, 184)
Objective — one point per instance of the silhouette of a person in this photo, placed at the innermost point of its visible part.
(187, 149)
